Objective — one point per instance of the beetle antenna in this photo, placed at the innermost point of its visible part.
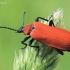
(23, 19)
(8, 28)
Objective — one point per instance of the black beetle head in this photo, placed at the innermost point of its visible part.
(20, 30)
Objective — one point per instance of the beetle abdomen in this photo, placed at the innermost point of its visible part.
(52, 36)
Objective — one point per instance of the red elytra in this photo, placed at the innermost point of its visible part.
(52, 36)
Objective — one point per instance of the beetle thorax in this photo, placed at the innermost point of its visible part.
(27, 29)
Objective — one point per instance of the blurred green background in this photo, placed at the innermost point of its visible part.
(11, 15)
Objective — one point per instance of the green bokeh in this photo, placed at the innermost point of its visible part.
(11, 15)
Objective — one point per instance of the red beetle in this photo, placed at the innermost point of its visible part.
(46, 34)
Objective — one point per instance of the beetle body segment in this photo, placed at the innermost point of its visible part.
(26, 29)
(52, 36)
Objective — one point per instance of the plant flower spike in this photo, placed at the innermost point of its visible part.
(47, 57)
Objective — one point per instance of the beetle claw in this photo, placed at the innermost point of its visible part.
(59, 51)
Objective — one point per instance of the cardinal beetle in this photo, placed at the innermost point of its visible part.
(46, 34)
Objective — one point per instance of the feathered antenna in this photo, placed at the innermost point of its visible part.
(8, 28)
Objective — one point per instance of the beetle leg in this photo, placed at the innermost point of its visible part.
(25, 46)
(25, 39)
(37, 49)
(30, 44)
(50, 21)
(59, 51)
(37, 19)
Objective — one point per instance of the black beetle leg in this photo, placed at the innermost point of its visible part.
(50, 21)
(59, 51)
(30, 44)
(25, 39)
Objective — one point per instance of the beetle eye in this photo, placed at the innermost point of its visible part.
(20, 30)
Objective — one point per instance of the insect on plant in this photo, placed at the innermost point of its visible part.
(50, 35)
